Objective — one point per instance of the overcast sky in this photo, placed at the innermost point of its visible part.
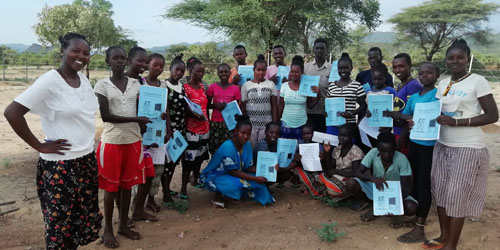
(142, 19)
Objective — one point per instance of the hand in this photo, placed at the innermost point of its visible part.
(387, 113)
(347, 114)
(368, 113)
(154, 145)
(315, 89)
(168, 135)
(384, 129)
(142, 120)
(379, 183)
(411, 123)
(54, 147)
(446, 120)
(260, 179)
(236, 79)
(199, 117)
(284, 79)
(297, 157)
(274, 79)
(326, 146)
(220, 105)
(164, 115)
(321, 156)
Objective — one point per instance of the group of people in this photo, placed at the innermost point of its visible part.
(70, 171)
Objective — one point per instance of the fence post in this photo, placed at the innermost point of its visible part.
(3, 66)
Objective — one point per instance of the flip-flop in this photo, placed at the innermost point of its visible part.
(183, 197)
(409, 239)
(432, 244)
(199, 186)
(168, 204)
(174, 194)
(218, 204)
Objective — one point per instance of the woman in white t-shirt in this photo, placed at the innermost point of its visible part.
(460, 158)
(67, 168)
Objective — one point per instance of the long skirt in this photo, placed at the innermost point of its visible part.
(236, 188)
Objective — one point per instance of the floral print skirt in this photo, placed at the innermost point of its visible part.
(68, 197)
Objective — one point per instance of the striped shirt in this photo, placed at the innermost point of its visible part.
(257, 97)
(120, 104)
(351, 92)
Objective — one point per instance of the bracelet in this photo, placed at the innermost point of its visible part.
(468, 124)
(456, 122)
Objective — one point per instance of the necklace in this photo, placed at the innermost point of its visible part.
(453, 82)
(82, 97)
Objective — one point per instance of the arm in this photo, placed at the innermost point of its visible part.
(14, 113)
(274, 109)
(248, 177)
(355, 165)
(170, 133)
(243, 107)
(281, 107)
(406, 183)
(490, 115)
(107, 117)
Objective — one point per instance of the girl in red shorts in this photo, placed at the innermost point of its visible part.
(119, 154)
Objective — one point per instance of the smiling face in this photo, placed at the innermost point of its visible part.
(117, 60)
(223, 72)
(243, 133)
(156, 66)
(77, 54)
(177, 71)
(139, 62)
(427, 75)
(374, 58)
(240, 55)
(457, 61)
(401, 68)
(272, 134)
(279, 55)
(344, 68)
(259, 72)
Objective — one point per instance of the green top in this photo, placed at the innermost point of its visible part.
(400, 165)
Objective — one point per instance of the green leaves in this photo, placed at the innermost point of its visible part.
(328, 232)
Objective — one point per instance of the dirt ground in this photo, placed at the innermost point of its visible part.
(288, 224)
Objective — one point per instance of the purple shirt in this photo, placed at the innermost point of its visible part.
(402, 97)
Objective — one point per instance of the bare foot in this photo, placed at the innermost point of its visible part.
(108, 239)
(151, 204)
(129, 233)
(142, 216)
(130, 223)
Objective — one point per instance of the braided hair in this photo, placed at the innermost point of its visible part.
(459, 44)
(66, 39)
(299, 61)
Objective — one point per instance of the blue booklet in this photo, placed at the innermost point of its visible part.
(283, 71)
(229, 112)
(266, 162)
(366, 87)
(333, 108)
(286, 149)
(155, 132)
(176, 146)
(306, 83)
(424, 117)
(377, 104)
(196, 108)
(334, 72)
(246, 74)
(388, 201)
(152, 101)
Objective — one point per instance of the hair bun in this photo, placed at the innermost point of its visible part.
(179, 56)
(345, 54)
(298, 59)
(260, 57)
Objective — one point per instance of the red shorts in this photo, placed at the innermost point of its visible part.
(120, 165)
(149, 166)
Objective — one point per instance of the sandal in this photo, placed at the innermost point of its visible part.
(174, 194)
(280, 185)
(168, 204)
(433, 244)
(199, 186)
(183, 197)
(409, 239)
(218, 204)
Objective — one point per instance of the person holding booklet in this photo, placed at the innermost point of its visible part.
(119, 153)
(349, 89)
(198, 127)
(176, 112)
(292, 106)
(240, 55)
(279, 55)
(258, 102)
(219, 94)
(460, 159)
(382, 164)
(66, 173)
(231, 171)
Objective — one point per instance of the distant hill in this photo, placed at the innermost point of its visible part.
(16, 46)
(380, 37)
(36, 48)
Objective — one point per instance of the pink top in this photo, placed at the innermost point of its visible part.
(197, 96)
(272, 70)
(219, 94)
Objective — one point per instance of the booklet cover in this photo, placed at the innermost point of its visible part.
(334, 72)
(388, 201)
(333, 108)
(266, 162)
(309, 153)
(246, 73)
(323, 137)
(283, 71)
(196, 108)
(176, 146)
(377, 104)
(229, 112)
(366, 87)
(306, 82)
(286, 149)
(152, 101)
(424, 117)
(155, 132)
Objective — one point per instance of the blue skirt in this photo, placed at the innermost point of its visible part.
(236, 188)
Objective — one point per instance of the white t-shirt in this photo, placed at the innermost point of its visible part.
(462, 102)
(65, 112)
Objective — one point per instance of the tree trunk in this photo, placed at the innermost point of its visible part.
(429, 57)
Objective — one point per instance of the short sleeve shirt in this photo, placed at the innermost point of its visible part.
(294, 112)
(400, 165)
(324, 72)
(410, 108)
(257, 97)
(199, 97)
(354, 154)
(351, 93)
(462, 102)
(65, 112)
(120, 104)
(218, 95)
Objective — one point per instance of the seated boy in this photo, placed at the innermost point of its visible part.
(386, 164)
